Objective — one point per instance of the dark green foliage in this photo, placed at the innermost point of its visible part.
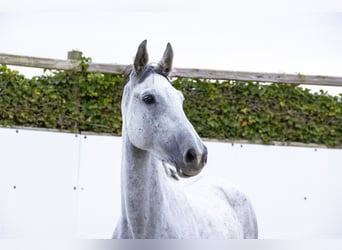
(258, 112)
(65, 100)
(81, 101)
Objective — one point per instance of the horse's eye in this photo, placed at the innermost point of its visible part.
(149, 99)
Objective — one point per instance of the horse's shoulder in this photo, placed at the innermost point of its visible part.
(242, 206)
(239, 202)
(222, 185)
(220, 188)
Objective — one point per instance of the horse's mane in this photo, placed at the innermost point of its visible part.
(146, 72)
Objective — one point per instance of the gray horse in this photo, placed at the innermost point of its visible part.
(157, 136)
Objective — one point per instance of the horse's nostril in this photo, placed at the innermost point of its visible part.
(204, 159)
(205, 155)
(190, 156)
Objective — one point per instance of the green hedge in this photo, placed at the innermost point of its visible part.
(81, 101)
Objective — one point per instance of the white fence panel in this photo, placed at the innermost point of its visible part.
(38, 176)
(62, 185)
(99, 193)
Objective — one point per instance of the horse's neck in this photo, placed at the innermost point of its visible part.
(145, 191)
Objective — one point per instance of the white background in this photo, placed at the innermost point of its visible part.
(68, 186)
(286, 36)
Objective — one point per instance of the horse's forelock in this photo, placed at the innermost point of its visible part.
(146, 72)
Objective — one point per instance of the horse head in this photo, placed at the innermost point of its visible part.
(153, 116)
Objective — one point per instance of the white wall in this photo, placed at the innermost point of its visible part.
(39, 171)
(66, 185)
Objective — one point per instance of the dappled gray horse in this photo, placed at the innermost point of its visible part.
(160, 144)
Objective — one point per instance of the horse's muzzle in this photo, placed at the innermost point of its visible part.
(193, 162)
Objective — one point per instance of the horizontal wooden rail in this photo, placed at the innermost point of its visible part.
(259, 77)
(47, 63)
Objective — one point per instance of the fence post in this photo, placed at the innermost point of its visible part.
(76, 55)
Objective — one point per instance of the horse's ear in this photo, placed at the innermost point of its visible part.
(166, 62)
(141, 58)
